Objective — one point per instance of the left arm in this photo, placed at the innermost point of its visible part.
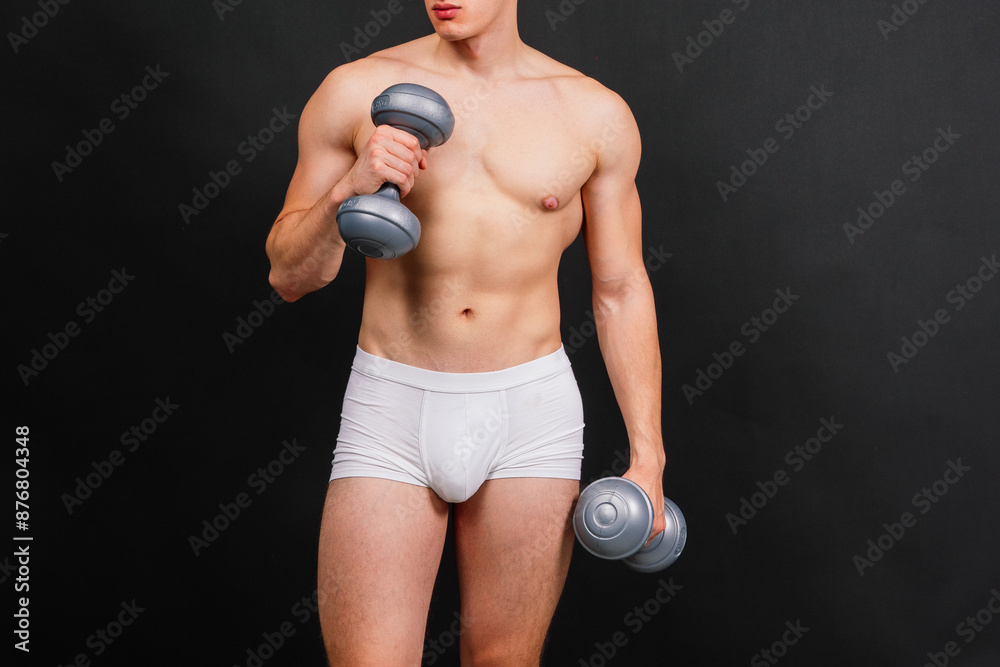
(624, 311)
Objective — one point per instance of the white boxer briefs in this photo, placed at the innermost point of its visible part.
(453, 431)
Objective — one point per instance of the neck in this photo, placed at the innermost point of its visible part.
(495, 50)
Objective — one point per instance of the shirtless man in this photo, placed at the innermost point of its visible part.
(461, 391)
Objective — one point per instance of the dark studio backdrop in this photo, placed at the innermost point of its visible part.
(819, 197)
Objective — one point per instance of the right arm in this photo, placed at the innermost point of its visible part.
(304, 246)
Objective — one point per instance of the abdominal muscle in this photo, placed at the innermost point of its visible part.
(479, 293)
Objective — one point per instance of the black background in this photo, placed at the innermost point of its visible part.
(164, 335)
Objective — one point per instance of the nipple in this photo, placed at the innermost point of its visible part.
(550, 203)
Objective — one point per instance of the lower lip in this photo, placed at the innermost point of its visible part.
(446, 13)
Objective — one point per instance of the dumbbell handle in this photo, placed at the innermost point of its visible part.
(389, 191)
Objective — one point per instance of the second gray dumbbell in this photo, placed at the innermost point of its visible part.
(614, 518)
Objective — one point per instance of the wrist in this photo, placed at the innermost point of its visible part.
(647, 454)
(337, 195)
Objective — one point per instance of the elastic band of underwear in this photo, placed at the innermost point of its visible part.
(422, 378)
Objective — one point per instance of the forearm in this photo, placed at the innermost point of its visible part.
(305, 247)
(626, 329)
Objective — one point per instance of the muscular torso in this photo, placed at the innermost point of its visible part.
(498, 204)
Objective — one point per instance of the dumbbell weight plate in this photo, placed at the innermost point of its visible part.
(614, 518)
(378, 226)
(416, 109)
(667, 546)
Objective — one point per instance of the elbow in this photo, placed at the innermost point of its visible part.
(287, 290)
(610, 296)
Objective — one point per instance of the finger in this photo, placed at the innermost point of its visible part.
(399, 143)
(659, 525)
(386, 134)
(380, 166)
(395, 154)
(393, 166)
(402, 137)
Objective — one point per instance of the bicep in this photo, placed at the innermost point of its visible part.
(613, 218)
(326, 150)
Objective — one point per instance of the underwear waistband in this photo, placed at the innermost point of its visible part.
(422, 378)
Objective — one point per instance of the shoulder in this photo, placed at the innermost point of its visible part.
(593, 107)
(380, 69)
(342, 102)
(601, 117)
(358, 78)
(578, 88)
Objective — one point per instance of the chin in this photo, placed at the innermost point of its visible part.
(451, 33)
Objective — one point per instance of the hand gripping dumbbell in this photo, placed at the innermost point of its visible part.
(377, 225)
(614, 518)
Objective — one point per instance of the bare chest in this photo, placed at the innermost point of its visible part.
(523, 148)
(517, 146)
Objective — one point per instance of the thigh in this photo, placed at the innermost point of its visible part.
(514, 539)
(379, 552)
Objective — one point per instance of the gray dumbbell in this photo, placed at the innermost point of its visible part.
(377, 225)
(614, 518)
